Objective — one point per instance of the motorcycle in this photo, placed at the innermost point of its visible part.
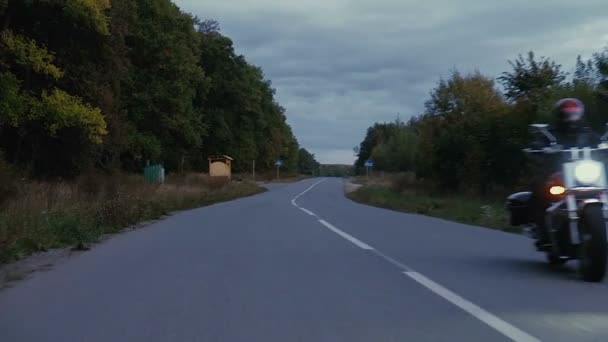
(578, 211)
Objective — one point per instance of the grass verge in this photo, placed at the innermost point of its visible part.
(42, 216)
(463, 209)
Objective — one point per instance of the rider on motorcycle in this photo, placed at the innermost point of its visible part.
(570, 132)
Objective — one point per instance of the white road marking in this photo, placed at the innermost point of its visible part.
(498, 324)
(308, 212)
(350, 238)
(293, 201)
(484, 316)
(398, 264)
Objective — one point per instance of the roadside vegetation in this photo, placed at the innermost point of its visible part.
(403, 193)
(336, 170)
(111, 85)
(93, 91)
(38, 216)
(464, 151)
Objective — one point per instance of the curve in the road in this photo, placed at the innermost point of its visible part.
(479, 313)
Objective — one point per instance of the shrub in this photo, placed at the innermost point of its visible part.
(49, 215)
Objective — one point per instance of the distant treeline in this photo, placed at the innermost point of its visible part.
(110, 85)
(471, 134)
(336, 170)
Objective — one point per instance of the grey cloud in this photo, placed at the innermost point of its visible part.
(340, 65)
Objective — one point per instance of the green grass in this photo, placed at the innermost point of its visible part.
(469, 210)
(45, 216)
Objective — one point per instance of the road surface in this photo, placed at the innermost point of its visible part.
(303, 263)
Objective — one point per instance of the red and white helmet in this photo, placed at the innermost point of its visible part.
(569, 110)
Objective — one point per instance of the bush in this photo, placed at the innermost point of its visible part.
(9, 187)
(49, 215)
(404, 181)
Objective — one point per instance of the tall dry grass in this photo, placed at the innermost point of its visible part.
(37, 216)
(403, 192)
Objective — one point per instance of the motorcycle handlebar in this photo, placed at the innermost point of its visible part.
(553, 150)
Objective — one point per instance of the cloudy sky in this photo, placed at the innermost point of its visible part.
(341, 65)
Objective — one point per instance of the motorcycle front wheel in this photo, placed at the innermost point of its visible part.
(593, 247)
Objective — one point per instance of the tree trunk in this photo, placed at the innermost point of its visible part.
(6, 18)
(28, 78)
(17, 154)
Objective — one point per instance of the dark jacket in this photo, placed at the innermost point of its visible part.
(568, 137)
(544, 165)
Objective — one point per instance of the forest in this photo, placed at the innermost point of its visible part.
(473, 128)
(100, 85)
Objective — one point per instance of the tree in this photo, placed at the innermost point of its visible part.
(531, 80)
(244, 119)
(470, 136)
(585, 72)
(376, 135)
(307, 164)
(463, 139)
(335, 170)
(44, 127)
(81, 91)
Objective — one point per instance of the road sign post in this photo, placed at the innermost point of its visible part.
(368, 165)
(278, 164)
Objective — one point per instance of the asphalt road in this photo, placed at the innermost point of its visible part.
(317, 268)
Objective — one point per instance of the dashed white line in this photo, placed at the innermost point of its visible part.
(348, 237)
(498, 324)
(484, 316)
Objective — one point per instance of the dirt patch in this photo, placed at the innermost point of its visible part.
(350, 186)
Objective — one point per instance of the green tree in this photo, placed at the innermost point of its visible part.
(44, 127)
(160, 98)
(113, 84)
(307, 164)
(244, 119)
(531, 80)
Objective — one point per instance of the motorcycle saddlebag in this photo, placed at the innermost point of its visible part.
(518, 206)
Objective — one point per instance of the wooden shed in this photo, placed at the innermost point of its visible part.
(220, 166)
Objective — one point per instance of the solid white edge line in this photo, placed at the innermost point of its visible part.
(350, 238)
(308, 212)
(498, 324)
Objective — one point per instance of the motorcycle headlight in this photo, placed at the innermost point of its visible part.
(588, 172)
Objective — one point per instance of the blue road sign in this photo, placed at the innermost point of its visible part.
(278, 163)
(369, 163)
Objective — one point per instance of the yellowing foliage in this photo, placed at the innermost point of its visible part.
(90, 11)
(28, 53)
(62, 110)
(11, 102)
